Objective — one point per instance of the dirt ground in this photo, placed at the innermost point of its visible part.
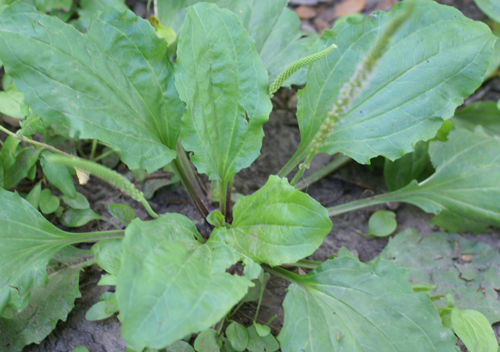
(351, 182)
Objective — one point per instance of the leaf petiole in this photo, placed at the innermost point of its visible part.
(30, 141)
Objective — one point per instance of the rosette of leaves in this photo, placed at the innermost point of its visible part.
(170, 282)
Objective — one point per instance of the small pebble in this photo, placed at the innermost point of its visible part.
(306, 12)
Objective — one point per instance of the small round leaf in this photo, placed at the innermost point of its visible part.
(382, 223)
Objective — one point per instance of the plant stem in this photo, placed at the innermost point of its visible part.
(183, 169)
(306, 264)
(362, 203)
(222, 198)
(283, 273)
(103, 155)
(294, 161)
(302, 169)
(334, 165)
(189, 188)
(92, 151)
(262, 287)
(228, 216)
(95, 236)
(30, 141)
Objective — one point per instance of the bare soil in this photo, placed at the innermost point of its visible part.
(350, 183)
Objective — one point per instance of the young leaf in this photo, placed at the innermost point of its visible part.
(351, 306)
(382, 223)
(58, 175)
(48, 305)
(78, 217)
(24, 161)
(11, 104)
(169, 285)
(262, 330)
(86, 83)
(220, 77)
(180, 346)
(34, 196)
(207, 341)
(404, 100)
(79, 201)
(409, 167)
(103, 309)
(435, 260)
(484, 113)
(108, 255)
(28, 242)
(474, 330)
(8, 152)
(237, 336)
(48, 202)
(464, 190)
(490, 7)
(80, 349)
(256, 343)
(278, 224)
(122, 212)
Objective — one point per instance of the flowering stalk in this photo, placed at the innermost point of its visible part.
(110, 176)
(351, 89)
(290, 70)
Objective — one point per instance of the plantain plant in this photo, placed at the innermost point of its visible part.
(374, 86)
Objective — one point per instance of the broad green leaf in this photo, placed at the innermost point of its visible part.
(464, 190)
(11, 103)
(274, 27)
(257, 343)
(170, 285)
(405, 99)
(221, 79)
(78, 217)
(434, 260)
(490, 7)
(34, 196)
(382, 223)
(346, 305)
(278, 224)
(48, 202)
(103, 309)
(24, 161)
(108, 255)
(28, 242)
(79, 202)
(122, 212)
(474, 330)
(207, 341)
(86, 83)
(89, 8)
(237, 336)
(409, 167)
(48, 305)
(484, 113)
(58, 175)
